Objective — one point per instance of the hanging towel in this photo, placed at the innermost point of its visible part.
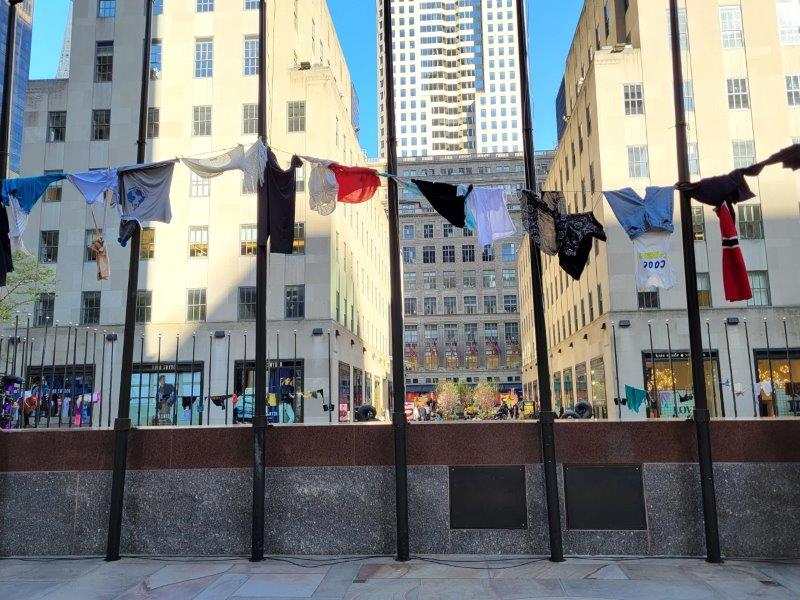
(734, 269)
(634, 398)
(639, 215)
(491, 215)
(93, 184)
(716, 191)
(277, 224)
(653, 267)
(251, 161)
(27, 190)
(144, 196)
(445, 200)
(356, 184)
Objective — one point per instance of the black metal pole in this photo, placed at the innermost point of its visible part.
(294, 372)
(730, 368)
(653, 366)
(8, 351)
(158, 378)
(72, 387)
(175, 371)
(227, 376)
(41, 378)
(52, 376)
(260, 400)
(244, 378)
(8, 84)
(750, 366)
(672, 372)
(141, 375)
(330, 382)
(94, 378)
(701, 414)
(64, 380)
(398, 368)
(103, 397)
(26, 351)
(771, 377)
(277, 373)
(83, 374)
(547, 416)
(111, 379)
(794, 408)
(713, 370)
(16, 344)
(616, 370)
(191, 385)
(122, 425)
(210, 354)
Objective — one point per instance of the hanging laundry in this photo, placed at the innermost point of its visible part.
(19, 223)
(144, 196)
(330, 182)
(6, 262)
(94, 184)
(653, 267)
(790, 157)
(27, 190)
(323, 190)
(277, 224)
(539, 217)
(734, 269)
(218, 401)
(251, 161)
(638, 215)
(445, 200)
(491, 215)
(98, 246)
(716, 191)
(579, 232)
(634, 398)
(356, 184)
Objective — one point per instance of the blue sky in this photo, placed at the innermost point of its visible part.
(550, 23)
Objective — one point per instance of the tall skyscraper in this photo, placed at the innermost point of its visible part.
(456, 77)
(22, 63)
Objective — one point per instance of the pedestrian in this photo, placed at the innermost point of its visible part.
(287, 401)
(166, 398)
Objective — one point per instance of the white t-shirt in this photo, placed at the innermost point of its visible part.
(653, 267)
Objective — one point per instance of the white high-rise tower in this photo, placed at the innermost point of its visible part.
(456, 77)
(66, 48)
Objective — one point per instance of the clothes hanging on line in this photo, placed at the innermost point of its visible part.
(94, 184)
(734, 269)
(539, 218)
(330, 182)
(719, 190)
(251, 161)
(356, 184)
(445, 200)
(18, 224)
(580, 231)
(6, 262)
(27, 190)
(789, 157)
(277, 224)
(635, 398)
(323, 189)
(491, 215)
(144, 196)
(639, 215)
(764, 387)
(653, 267)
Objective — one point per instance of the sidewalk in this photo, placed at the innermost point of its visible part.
(475, 577)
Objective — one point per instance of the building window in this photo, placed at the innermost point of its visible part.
(250, 119)
(56, 126)
(409, 255)
(683, 29)
(638, 167)
(600, 308)
(490, 305)
(694, 160)
(54, 190)
(730, 23)
(738, 93)
(793, 89)
(144, 306)
(198, 187)
(427, 231)
(155, 60)
(408, 232)
(450, 305)
(103, 62)
(101, 124)
(201, 120)
(606, 19)
(250, 56)
(508, 252)
(410, 307)
(43, 309)
(196, 305)
(296, 115)
(90, 308)
(409, 281)
(205, 5)
(203, 58)
(789, 22)
(688, 96)
(468, 253)
(247, 304)
(470, 280)
(489, 279)
(509, 278)
(153, 123)
(467, 232)
(649, 299)
(449, 280)
(704, 290)
(429, 306)
(198, 242)
(634, 98)
(251, 4)
(48, 247)
(510, 303)
(470, 305)
(106, 8)
(89, 255)
(759, 283)
(296, 302)
(429, 280)
(247, 240)
(488, 254)
(744, 153)
(751, 225)
(299, 244)
(449, 254)
(698, 224)
(428, 255)
(448, 230)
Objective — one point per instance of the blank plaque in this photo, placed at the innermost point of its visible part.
(488, 498)
(604, 497)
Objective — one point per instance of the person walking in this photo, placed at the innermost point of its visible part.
(287, 401)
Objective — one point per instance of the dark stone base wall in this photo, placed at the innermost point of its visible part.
(350, 510)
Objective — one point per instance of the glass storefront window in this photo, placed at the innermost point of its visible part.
(344, 393)
(71, 393)
(557, 391)
(569, 398)
(358, 387)
(784, 377)
(599, 398)
(670, 393)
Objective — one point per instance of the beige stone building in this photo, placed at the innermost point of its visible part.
(742, 69)
(327, 304)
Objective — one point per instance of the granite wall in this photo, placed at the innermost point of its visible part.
(330, 490)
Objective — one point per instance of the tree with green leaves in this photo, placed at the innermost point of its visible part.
(29, 279)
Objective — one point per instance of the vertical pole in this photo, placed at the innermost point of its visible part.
(294, 375)
(103, 397)
(244, 377)
(110, 379)
(175, 371)
(26, 351)
(158, 377)
(616, 370)
(64, 379)
(730, 368)
(191, 385)
(8, 84)
(769, 362)
(94, 378)
(72, 387)
(277, 373)
(227, 376)
(330, 382)
(141, 376)
(547, 416)
(672, 372)
(210, 369)
(122, 424)
(16, 344)
(52, 376)
(653, 365)
(41, 378)
(701, 414)
(8, 351)
(750, 366)
(794, 408)
(398, 368)
(83, 374)
(713, 370)
(260, 400)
